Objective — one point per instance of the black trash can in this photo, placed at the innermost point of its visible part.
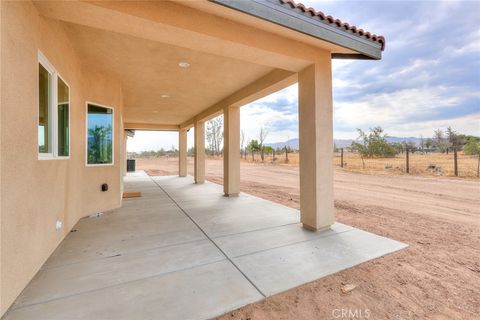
(130, 165)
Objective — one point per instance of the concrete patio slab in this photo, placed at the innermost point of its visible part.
(197, 293)
(272, 270)
(142, 226)
(217, 225)
(183, 251)
(81, 277)
(78, 249)
(260, 240)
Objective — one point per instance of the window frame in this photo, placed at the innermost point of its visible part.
(86, 135)
(56, 118)
(53, 110)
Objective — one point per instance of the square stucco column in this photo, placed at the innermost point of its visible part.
(199, 152)
(182, 153)
(231, 151)
(316, 144)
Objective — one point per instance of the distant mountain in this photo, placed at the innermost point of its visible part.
(404, 139)
(292, 143)
(340, 143)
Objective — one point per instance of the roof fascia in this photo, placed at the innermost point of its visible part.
(276, 13)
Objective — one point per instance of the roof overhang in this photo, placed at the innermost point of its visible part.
(273, 11)
(238, 51)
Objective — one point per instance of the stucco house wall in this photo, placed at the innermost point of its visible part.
(35, 193)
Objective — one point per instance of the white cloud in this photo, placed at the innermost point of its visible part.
(346, 83)
(394, 107)
(471, 45)
(394, 111)
(260, 114)
(155, 140)
(340, 64)
(415, 66)
(289, 94)
(467, 125)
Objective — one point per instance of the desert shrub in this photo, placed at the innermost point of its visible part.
(373, 144)
(472, 147)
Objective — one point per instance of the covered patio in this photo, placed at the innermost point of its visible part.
(80, 76)
(184, 251)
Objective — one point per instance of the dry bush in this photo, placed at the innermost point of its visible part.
(293, 158)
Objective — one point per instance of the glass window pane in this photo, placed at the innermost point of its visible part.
(44, 111)
(63, 114)
(99, 136)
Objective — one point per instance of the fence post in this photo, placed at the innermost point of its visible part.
(408, 160)
(455, 161)
(478, 167)
(286, 154)
(341, 156)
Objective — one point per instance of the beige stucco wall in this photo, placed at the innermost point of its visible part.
(1, 101)
(35, 193)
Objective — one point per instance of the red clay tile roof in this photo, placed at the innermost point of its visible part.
(337, 22)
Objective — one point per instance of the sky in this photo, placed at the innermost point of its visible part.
(428, 78)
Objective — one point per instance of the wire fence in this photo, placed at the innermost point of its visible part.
(417, 163)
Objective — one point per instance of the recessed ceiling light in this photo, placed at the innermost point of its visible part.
(184, 64)
(165, 96)
(156, 111)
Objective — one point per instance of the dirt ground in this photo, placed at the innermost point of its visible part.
(436, 277)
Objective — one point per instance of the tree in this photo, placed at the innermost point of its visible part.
(173, 151)
(373, 144)
(472, 147)
(398, 146)
(410, 145)
(440, 142)
(454, 139)
(100, 144)
(267, 149)
(253, 147)
(287, 150)
(242, 142)
(429, 143)
(214, 134)
(261, 137)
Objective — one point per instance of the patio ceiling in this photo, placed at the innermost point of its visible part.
(235, 57)
(149, 71)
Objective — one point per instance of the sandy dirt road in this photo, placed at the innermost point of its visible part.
(436, 277)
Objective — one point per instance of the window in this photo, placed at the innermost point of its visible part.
(44, 110)
(63, 118)
(99, 135)
(53, 122)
